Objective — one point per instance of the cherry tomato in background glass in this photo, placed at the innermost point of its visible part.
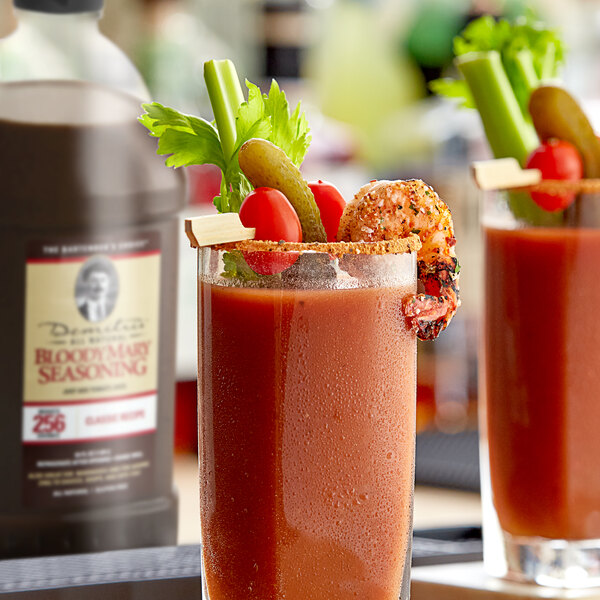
(274, 218)
(556, 159)
(331, 206)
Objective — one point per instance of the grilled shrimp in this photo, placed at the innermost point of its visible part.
(384, 210)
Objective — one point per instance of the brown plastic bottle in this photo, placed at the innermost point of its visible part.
(88, 263)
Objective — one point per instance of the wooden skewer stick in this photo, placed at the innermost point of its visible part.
(503, 174)
(217, 229)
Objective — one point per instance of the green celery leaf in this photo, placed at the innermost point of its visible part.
(235, 267)
(187, 149)
(526, 33)
(251, 120)
(158, 118)
(290, 132)
(238, 186)
(481, 35)
(221, 201)
(186, 139)
(453, 88)
(148, 122)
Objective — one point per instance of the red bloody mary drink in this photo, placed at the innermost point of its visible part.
(543, 380)
(307, 404)
(541, 416)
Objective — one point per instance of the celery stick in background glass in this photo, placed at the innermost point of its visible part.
(501, 63)
(520, 54)
(506, 129)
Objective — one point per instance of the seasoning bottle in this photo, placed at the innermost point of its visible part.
(88, 255)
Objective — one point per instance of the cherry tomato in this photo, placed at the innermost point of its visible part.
(556, 159)
(331, 206)
(274, 218)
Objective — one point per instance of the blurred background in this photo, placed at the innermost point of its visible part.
(362, 69)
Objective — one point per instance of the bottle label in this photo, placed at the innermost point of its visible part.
(90, 370)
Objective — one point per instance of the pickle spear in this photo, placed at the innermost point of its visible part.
(556, 114)
(266, 165)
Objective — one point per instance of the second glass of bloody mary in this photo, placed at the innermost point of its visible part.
(307, 423)
(540, 414)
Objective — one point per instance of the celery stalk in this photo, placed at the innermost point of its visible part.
(524, 62)
(549, 62)
(506, 129)
(225, 93)
(523, 79)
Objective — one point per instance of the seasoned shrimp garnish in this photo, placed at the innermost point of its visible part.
(385, 210)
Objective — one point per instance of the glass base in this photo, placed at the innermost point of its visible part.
(554, 563)
(404, 592)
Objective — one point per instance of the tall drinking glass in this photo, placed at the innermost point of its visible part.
(307, 426)
(540, 408)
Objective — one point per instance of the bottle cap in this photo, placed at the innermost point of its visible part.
(60, 6)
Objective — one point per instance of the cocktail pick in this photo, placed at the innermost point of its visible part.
(506, 174)
(503, 174)
(217, 229)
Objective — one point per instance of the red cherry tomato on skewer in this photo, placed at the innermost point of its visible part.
(274, 218)
(331, 206)
(556, 159)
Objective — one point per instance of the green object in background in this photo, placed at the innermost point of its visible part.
(362, 78)
(514, 9)
(431, 36)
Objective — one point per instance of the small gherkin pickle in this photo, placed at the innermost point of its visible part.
(556, 114)
(266, 165)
